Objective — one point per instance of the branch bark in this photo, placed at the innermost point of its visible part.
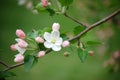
(81, 23)
(96, 24)
(13, 66)
(76, 37)
(4, 64)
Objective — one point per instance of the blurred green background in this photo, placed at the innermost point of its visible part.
(55, 66)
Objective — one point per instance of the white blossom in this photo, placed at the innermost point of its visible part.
(53, 40)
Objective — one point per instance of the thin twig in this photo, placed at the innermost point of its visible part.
(79, 42)
(13, 66)
(4, 64)
(20, 64)
(96, 24)
(83, 24)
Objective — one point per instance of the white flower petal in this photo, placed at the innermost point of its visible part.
(20, 50)
(47, 36)
(18, 39)
(48, 44)
(56, 47)
(59, 41)
(55, 34)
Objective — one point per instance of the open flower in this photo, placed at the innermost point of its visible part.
(53, 40)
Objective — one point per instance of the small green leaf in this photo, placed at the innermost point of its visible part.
(4, 74)
(33, 34)
(64, 36)
(93, 43)
(51, 11)
(65, 2)
(78, 29)
(82, 54)
(29, 62)
(39, 7)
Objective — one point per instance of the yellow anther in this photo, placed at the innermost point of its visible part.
(53, 40)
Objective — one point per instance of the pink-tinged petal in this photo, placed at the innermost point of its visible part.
(21, 43)
(20, 33)
(55, 26)
(59, 41)
(20, 50)
(47, 36)
(56, 48)
(55, 34)
(41, 54)
(48, 44)
(19, 58)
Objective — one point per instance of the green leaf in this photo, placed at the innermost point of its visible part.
(4, 74)
(39, 7)
(93, 43)
(33, 34)
(64, 36)
(82, 54)
(33, 45)
(51, 11)
(29, 62)
(65, 2)
(78, 29)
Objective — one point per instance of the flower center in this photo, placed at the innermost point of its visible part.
(53, 40)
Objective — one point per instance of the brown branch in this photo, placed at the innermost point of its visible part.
(83, 24)
(96, 24)
(13, 66)
(20, 64)
(4, 64)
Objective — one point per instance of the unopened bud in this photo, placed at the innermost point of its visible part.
(20, 33)
(55, 26)
(41, 54)
(13, 48)
(65, 43)
(39, 39)
(44, 3)
(22, 44)
(19, 58)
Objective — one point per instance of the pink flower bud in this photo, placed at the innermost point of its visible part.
(65, 43)
(19, 58)
(55, 26)
(20, 33)
(39, 39)
(13, 48)
(44, 3)
(41, 54)
(22, 44)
